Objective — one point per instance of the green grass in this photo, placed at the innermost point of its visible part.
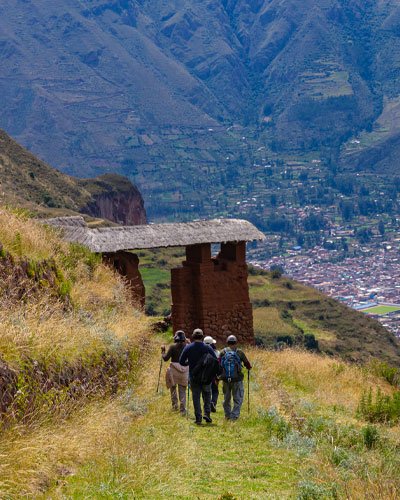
(381, 310)
(300, 440)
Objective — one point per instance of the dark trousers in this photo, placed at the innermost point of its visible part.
(214, 393)
(199, 390)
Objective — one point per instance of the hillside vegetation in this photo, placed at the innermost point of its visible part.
(67, 329)
(285, 313)
(80, 417)
(302, 76)
(303, 438)
(26, 181)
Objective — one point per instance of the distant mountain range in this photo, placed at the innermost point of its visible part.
(109, 84)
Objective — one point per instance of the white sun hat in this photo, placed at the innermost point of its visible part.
(209, 340)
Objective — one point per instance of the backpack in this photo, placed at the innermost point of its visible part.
(206, 370)
(231, 366)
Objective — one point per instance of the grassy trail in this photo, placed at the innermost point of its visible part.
(301, 440)
(164, 455)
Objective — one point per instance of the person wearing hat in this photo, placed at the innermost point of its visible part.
(177, 375)
(232, 360)
(214, 384)
(191, 355)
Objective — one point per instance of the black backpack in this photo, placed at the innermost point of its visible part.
(206, 370)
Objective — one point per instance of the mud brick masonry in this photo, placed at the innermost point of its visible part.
(207, 292)
(212, 293)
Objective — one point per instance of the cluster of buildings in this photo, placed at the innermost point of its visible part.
(371, 278)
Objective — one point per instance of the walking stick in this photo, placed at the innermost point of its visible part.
(248, 391)
(159, 374)
(187, 403)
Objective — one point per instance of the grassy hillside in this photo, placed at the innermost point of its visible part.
(285, 312)
(303, 438)
(67, 329)
(26, 181)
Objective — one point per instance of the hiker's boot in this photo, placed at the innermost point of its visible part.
(213, 407)
(208, 419)
(198, 422)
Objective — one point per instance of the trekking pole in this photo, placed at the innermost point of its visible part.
(159, 374)
(248, 391)
(187, 403)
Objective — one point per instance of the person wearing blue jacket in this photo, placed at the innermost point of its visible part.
(191, 355)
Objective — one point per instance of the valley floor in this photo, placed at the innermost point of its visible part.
(300, 440)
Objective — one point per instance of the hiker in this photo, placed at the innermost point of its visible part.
(231, 361)
(214, 384)
(176, 375)
(203, 366)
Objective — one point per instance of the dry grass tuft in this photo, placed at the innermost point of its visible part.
(327, 381)
(22, 236)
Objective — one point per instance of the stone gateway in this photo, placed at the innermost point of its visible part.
(210, 293)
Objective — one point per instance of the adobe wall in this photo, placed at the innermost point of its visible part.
(213, 294)
(127, 265)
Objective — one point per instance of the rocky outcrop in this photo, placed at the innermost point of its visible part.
(115, 198)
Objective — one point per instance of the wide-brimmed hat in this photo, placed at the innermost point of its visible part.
(197, 334)
(209, 340)
(179, 336)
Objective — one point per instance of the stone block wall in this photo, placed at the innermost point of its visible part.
(127, 265)
(213, 294)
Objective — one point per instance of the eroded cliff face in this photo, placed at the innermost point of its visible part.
(115, 198)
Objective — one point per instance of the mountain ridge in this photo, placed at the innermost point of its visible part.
(307, 75)
(28, 182)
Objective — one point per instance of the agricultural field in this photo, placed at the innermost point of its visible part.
(381, 310)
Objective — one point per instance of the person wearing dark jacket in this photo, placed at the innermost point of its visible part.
(176, 376)
(214, 384)
(233, 388)
(191, 355)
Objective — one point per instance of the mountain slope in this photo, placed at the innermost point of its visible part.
(28, 182)
(107, 84)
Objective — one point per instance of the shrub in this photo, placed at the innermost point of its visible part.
(276, 274)
(285, 339)
(339, 456)
(276, 425)
(371, 436)
(309, 490)
(294, 440)
(387, 372)
(379, 407)
(310, 342)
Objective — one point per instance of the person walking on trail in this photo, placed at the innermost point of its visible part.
(232, 376)
(177, 375)
(203, 365)
(214, 384)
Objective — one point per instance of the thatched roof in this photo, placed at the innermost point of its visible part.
(72, 221)
(112, 239)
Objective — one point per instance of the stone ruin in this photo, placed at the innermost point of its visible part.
(212, 293)
(127, 265)
(207, 292)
